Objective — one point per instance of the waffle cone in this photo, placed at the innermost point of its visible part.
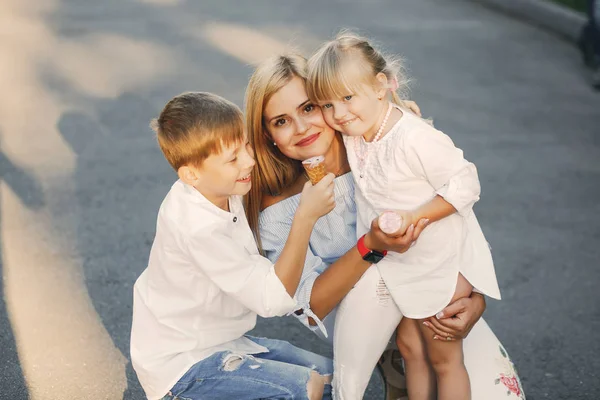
(315, 174)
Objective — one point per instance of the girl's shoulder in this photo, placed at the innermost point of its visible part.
(416, 129)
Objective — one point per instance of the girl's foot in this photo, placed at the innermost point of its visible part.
(392, 372)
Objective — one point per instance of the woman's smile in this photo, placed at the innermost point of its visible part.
(308, 140)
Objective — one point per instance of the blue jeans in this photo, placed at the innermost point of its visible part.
(282, 373)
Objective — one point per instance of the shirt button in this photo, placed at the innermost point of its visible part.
(234, 219)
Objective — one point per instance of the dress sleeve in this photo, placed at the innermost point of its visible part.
(431, 155)
(249, 278)
(273, 235)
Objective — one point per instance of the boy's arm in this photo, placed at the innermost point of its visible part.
(289, 265)
(249, 278)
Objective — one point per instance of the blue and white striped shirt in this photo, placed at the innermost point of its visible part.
(333, 235)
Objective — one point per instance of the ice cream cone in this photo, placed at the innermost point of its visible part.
(315, 169)
(390, 222)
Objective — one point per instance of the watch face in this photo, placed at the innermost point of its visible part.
(373, 257)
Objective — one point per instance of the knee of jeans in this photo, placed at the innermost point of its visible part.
(316, 385)
(233, 361)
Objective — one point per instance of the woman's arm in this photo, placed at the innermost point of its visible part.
(334, 283)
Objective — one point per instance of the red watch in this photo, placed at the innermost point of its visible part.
(372, 256)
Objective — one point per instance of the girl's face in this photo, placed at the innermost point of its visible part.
(355, 114)
(295, 124)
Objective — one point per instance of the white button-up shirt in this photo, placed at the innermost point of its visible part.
(408, 167)
(203, 287)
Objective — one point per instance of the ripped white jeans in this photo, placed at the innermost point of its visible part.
(365, 321)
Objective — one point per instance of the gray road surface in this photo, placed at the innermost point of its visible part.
(81, 177)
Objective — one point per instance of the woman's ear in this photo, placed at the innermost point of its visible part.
(188, 174)
(382, 85)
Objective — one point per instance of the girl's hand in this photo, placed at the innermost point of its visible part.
(457, 320)
(317, 200)
(376, 239)
(412, 106)
(408, 219)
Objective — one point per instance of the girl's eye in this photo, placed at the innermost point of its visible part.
(233, 160)
(309, 108)
(326, 105)
(280, 122)
(348, 98)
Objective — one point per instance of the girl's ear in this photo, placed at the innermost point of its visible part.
(382, 85)
(188, 174)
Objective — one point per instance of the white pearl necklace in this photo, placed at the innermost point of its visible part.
(362, 155)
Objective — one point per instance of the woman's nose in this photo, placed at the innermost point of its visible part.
(302, 125)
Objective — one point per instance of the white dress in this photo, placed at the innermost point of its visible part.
(408, 167)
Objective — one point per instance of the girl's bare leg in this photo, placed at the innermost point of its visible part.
(420, 379)
(446, 357)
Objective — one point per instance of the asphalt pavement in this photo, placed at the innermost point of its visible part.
(81, 176)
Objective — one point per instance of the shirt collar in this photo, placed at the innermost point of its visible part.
(235, 204)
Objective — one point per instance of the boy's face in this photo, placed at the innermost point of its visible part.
(226, 174)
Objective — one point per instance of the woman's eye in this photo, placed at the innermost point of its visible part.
(348, 98)
(309, 108)
(280, 122)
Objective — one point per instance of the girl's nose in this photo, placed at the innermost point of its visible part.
(339, 113)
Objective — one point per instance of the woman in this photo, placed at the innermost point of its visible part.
(284, 127)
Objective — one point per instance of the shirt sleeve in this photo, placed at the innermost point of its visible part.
(249, 278)
(431, 155)
(273, 236)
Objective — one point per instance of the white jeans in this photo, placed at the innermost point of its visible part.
(366, 320)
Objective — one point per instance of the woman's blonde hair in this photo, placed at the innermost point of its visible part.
(274, 171)
(341, 65)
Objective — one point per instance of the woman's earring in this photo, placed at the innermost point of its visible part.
(274, 144)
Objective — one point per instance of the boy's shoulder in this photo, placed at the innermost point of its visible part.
(186, 211)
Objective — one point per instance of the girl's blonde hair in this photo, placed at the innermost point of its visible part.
(341, 65)
(274, 171)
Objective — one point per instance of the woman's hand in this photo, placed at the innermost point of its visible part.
(412, 106)
(456, 320)
(376, 239)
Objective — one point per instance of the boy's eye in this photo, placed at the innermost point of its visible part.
(308, 108)
(328, 105)
(348, 98)
(233, 160)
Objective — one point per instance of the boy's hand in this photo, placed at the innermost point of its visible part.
(317, 200)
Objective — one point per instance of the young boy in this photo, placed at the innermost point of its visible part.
(206, 282)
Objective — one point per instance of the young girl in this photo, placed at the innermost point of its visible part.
(402, 163)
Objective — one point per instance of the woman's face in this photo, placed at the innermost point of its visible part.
(295, 124)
